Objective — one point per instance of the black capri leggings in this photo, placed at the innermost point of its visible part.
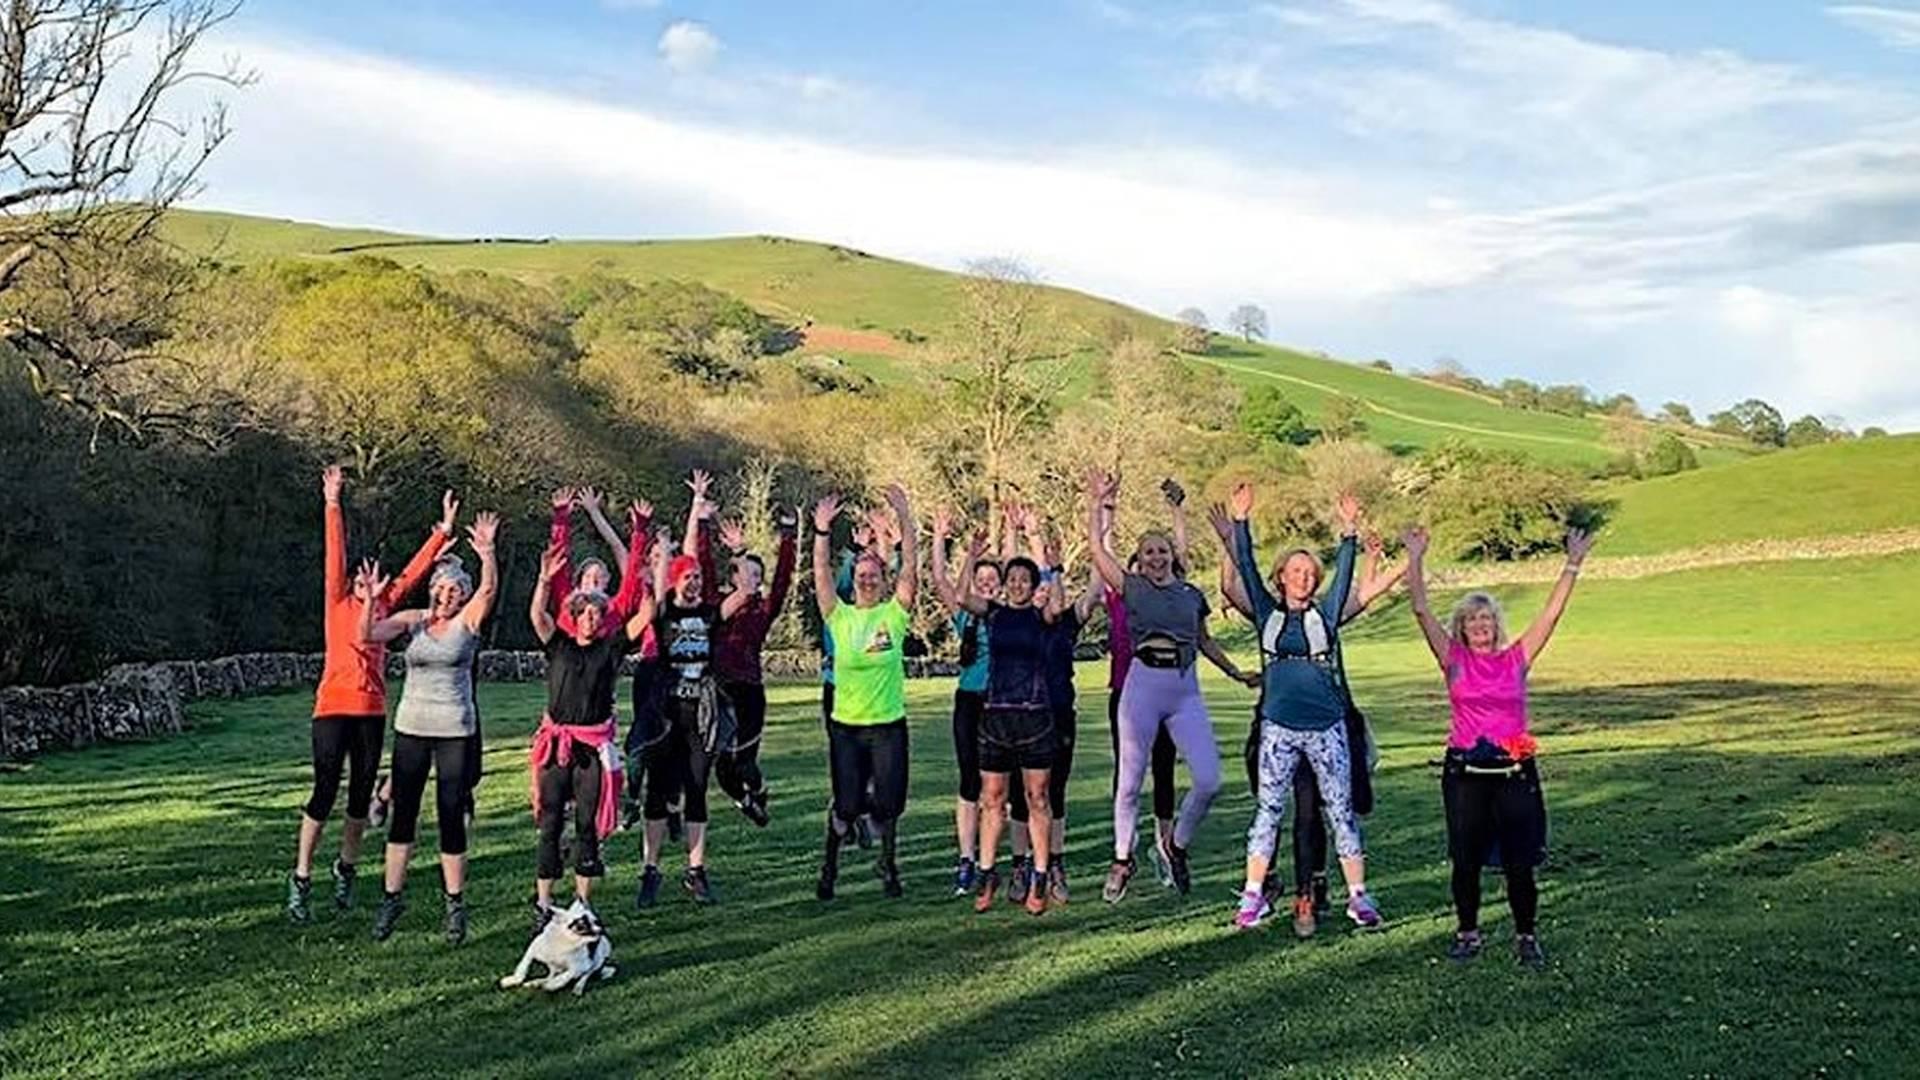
(738, 770)
(968, 707)
(578, 780)
(450, 759)
(868, 767)
(678, 766)
(1162, 760)
(1483, 811)
(1059, 770)
(352, 744)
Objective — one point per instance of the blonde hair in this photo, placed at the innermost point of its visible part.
(1471, 604)
(1319, 572)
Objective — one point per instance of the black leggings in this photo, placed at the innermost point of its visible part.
(968, 706)
(1162, 760)
(644, 729)
(738, 770)
(449, 758)
(868, 766)
(678, 767)
(349, 743)
(1485, 810)
(1059, 770)
(578, 780)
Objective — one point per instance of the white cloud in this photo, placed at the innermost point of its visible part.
(688, 46)
(1629, 288)
(1898, 27)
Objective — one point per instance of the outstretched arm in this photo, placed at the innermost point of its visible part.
(1211, 649)
(1334, 598)
(825, 596)
(1177, 503)
(633, 573)
(595, 505)
(943, 586)
(379, 631)
(560, 538)
(1259, 600)
(1101, 489)
(421, 564)
(1537, 635)
(332, 479)
(906, 583)
(1231, 586)
(1438, 640)
(552, 563)
(481, 535)
(787, 524)
(1372, 583)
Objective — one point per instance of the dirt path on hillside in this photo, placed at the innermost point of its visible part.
(1858, 545)
(830, 338)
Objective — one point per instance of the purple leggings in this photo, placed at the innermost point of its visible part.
(1153, 696)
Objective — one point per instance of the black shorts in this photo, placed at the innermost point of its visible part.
(1016, 739)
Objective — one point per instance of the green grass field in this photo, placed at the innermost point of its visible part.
(1841, 488)
(1733, 889)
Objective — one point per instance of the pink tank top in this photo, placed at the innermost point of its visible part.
(1489, 695)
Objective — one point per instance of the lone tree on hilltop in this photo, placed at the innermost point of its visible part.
(91, 156)
(1249, 321)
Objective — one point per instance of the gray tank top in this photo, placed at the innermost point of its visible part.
(437, 700)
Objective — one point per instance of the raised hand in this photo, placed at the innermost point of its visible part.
(1349, 511)
(1416, 541)
(641, 507)
(1222, 524)
(825, 511)
(1241, 504)
(1051, 550)
(486, 525)
(639, 517)
(699, 483)
(897, 498)
(734, 536)
(1579, 542)
(332, 479)
(942, 522)
(371, 579)
(1374, 545)
(978, 547)
(562, 498)
(552, 562)
(1176, 495)
(589, 499)
(449, 511)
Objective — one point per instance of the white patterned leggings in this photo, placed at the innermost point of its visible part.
(1281, 749)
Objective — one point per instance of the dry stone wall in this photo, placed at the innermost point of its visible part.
(144, 701)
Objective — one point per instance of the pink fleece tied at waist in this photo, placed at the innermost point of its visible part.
(553, 743)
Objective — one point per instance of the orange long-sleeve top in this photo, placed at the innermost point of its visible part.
(354, 679)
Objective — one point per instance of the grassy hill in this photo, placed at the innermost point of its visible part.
(842, 288)
(1841, 488)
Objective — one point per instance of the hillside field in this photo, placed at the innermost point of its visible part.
(1732, 891)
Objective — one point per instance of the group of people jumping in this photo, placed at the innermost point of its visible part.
(699, 704)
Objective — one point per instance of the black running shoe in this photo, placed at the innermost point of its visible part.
(649, 888)
(1526, 948)
(697, 886)
(1466, 945)
(1118, 874)
(1182, 873)
(384, 920)
(299, 899)
(755, 807)
(1020, 879)
(456, 925)
(343, 875)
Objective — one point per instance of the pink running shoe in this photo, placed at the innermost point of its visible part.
(1253, 908)
(1361, 910)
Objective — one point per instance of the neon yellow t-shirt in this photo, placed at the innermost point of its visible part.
(869, 662)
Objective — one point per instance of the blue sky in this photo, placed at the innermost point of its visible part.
(1701, 201)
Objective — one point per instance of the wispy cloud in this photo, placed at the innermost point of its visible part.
(688, 46)
(1898, 27)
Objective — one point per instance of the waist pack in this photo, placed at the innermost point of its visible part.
(1159, 656)
(715, 724)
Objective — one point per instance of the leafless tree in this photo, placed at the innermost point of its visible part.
(1249, 321)
(91, 156)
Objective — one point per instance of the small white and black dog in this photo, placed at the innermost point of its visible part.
(574, 948)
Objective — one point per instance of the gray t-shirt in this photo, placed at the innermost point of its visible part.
(1174, 611)
(437, 700)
